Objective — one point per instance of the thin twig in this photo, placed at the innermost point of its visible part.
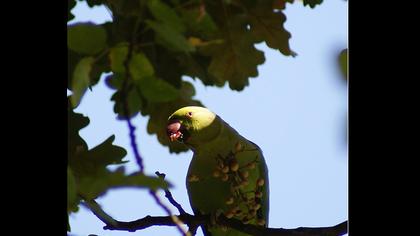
(98, 212)
(124, 91)
(178, 223)
(169, 196)
(131, 128)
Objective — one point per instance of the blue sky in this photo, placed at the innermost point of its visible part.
(295, 110)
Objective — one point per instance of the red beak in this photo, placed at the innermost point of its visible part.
(173, 130)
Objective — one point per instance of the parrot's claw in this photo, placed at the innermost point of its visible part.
(213, 218)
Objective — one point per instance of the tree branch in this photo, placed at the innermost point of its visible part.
(194, 221)
(149, 221)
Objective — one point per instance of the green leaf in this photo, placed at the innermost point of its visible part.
(89, 168)
(280, 4)
(87, 163)
(72, 59)
(342, 60)
(86, 38)
(75, 122)
(81, 79)
(312, 3)
(93, 3)
(134, 102)
(196, 66)
(125, 8)
(170, 38)
(166, 15)
(237, 59)
(70, 6)
(94, 186)
(199, 22)
(72, 199)
(157, 90)
(268, 26)
(140, 67)
(117, 57)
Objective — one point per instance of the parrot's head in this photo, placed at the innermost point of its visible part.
(193, 125)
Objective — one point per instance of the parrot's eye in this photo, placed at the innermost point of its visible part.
(189, 114)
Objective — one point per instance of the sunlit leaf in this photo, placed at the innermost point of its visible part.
(117, 57)
(170, 38)
(140, 67)
(157, 90)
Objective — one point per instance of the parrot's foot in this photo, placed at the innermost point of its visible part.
(215, 216)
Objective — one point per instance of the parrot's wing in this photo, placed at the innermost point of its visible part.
(265, 200)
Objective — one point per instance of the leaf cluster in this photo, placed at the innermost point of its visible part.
(147, 48)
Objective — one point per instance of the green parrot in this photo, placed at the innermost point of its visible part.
(227, 174)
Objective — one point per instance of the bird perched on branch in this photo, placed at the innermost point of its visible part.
(227, 174)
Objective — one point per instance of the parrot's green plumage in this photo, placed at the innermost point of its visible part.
(227, 173)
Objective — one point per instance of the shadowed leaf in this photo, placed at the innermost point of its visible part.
(342, 60)
(92, 187)
(70, 6)
(166, 15)
(72, 199)
(312, 3)
(236, 59)
(86, 38)
(268, 26)
(81, 79)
